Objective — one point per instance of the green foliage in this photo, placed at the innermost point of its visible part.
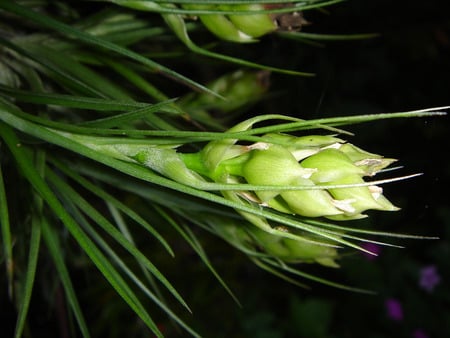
(89, 97)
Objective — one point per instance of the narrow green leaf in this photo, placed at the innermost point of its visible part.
(114, 202)
(6, 235)
(98, 42)
(33, 254)
(60, 75)
(326, 37)
(189, 236)
(54, 246)
(83, 240)
(124, 266)
(112, 231)
(320, 280)
(73, 101)
(176, 22)
(30, 275)
(66, 63)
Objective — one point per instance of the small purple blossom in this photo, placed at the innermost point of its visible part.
(429, 278)
(419, 333)
(372, 247)
(394, 309)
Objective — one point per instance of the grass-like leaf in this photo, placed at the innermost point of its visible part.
(6, 235)
(190, 237)
(33, 255)
(98, 42)
(176, 22)
(53, 244)
(108, 198)
(83, 240)
(112, 231)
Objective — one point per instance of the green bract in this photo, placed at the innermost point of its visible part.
(238, 27)
(308, 176)
(326, 174)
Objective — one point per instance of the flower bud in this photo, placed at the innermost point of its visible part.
(360, 198)
(236, 27)
(254, 25)
(304, 146)
(308, 164)
(330, 165)
(306, 249)
(220, 25)
(239, 88)
(370, 163)
(275, 165)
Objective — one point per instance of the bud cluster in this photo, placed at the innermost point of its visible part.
(244, 26)
(326, 175)
(308, 176)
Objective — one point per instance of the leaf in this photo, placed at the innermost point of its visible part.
(112, 231)
(6, 235)
(98, 42)
(54, 246)
(33, 255)
(83, 240)
(178, 25)
(115, 203)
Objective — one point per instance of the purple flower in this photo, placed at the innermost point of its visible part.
(419, 333)
(394, 309)
(372, 247)
(429, 278)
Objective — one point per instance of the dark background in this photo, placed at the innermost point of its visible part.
(406, 68)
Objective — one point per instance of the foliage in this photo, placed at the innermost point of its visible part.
(99, 234)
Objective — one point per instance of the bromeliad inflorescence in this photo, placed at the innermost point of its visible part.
(309, 177)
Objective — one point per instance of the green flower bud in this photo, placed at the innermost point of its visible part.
(239, 88)
(275, 165)
(254, 25)
(330, 165)
(272, 165)
(310, 203)
(303, 250)
(241, 28)
(223, 28)
(220, 25)
(361, 198)
(370, 163)
(304, 146)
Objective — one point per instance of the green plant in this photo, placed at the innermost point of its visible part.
(90, 137)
